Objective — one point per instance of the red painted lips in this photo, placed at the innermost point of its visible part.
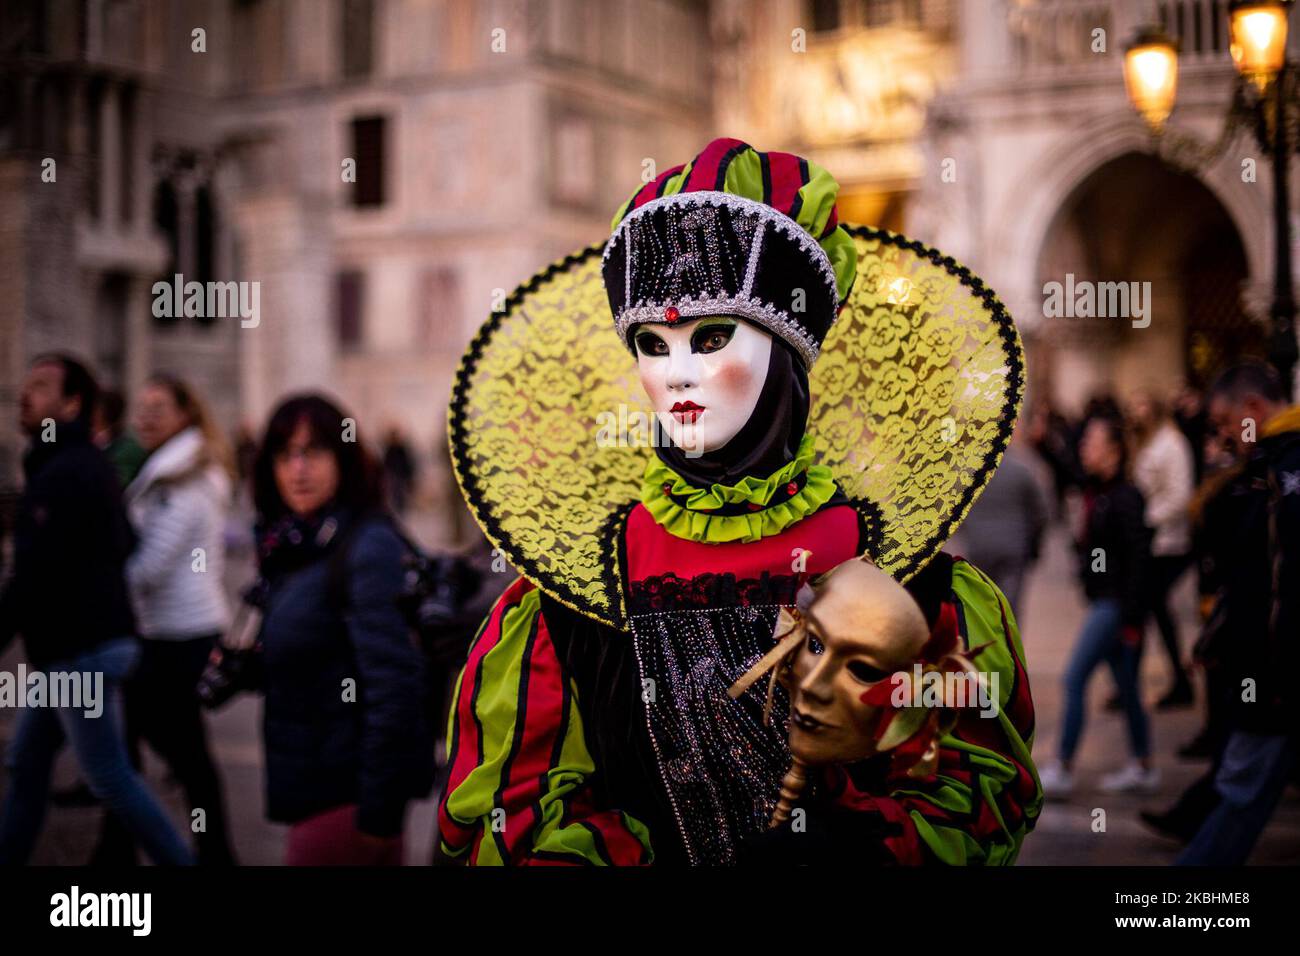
(686, 412)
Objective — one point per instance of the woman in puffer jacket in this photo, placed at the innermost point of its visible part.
(348, 744)
(177, 504)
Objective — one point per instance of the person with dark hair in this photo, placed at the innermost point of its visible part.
(1214, 521)
(1256, 636)
(68, 599)
(108, 427)
(1192, 420)
(177, 506)
(399, 469)
(1053, 437)
(76, 389)
(1003, 533)
(245, 444)
(1113, 551)
(347, 741)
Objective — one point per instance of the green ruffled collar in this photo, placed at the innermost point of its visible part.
(691, 519)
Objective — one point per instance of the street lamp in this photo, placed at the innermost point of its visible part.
(1258, 44)
(1151, 76)
(1264, 99)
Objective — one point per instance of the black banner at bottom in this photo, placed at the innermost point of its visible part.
(266, 905)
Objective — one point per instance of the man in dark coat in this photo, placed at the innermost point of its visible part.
(1257, 644)
(67, 597)
(71, 535)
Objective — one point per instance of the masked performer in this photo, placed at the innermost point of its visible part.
(798, 417)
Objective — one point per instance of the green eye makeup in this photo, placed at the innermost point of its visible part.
(709, 336)
(712, 335)
(648, 343)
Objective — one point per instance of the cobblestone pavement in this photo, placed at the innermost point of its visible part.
(1064, 834)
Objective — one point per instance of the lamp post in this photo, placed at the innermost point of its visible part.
(1264, 100)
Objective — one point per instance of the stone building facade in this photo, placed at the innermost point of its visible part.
(108, 183)
(1000, 131)
(385, 170)
(1058, 177)
(489, 139)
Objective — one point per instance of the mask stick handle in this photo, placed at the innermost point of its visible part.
(791, 787)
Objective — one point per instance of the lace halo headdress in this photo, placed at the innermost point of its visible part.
(914, 397)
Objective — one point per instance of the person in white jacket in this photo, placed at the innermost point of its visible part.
(177, 505)
(1165, 472)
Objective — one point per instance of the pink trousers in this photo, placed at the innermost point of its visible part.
(332, 839)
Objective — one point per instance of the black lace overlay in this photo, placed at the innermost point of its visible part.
(720, 763)
(668, 592)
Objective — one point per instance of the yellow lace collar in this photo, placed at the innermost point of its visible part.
(914, 397)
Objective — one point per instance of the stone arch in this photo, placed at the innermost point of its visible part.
(1079, 152)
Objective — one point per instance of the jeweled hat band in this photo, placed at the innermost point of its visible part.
(714, 253)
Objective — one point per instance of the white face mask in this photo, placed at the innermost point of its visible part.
(703, 377)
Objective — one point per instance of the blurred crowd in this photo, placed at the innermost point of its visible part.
(353, 634)
(349, 630)
(1200, 483)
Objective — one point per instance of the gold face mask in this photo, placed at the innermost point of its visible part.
(860, 628)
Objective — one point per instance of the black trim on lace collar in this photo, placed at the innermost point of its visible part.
(613, 561)
(870, 524)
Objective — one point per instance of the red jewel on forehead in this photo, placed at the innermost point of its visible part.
(671, 314)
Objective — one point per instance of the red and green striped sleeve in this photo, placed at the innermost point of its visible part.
(517, 791)
(985, 795)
